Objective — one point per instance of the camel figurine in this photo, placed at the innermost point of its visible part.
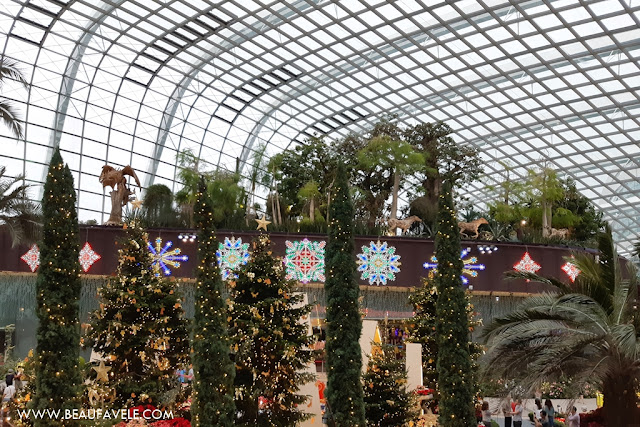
(121, 194)
(403, 224)
(471, 227)
(562, 233)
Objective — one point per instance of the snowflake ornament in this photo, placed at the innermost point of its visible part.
(470, 266)
(304, 260)
(527, 264)
(87, 257)
(378, 263)
(571, 270)
(231, 254)
(163, 256)
(32, 258)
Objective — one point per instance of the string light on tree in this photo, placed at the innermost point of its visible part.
(162, 255)
(378, 263)
(231, 255)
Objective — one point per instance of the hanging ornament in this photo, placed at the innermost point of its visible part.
(470, 266)
(378, 263)
(163, 256)
(32, 258)
(231, 254)
(571, 270)
(87, 257)
(102, 372)
(527, 264)
(304, 260)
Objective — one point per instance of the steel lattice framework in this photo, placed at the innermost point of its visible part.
(136, 81)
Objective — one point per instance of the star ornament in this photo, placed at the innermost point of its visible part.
(527, 264)
(87, 257)
(262, 223)
(137, 204)
(102, 372)
(32, 258)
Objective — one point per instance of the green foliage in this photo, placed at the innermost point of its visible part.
(386, 399)
(214, 371)
(344, 324)
(452, 329)
(157, 207)
(140, 326)
(17, 213)
(270, 341)
(10, 69)
(423, 330)
(58, 380)
(587, 331)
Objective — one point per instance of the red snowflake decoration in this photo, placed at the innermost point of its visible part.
(32, 258)
(87, 257)
(571, 270)
(527, 264)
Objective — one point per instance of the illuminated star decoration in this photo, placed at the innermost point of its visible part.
(470, 265)
(163, 256)
(32, 258)
(102, 370)
(571, 270)
(231, 254)
(304, 261)
(527, 264)
(87, 257)
(262, 223)
(137, 204)
(378, 263)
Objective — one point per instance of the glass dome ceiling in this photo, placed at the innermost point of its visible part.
(135, 82)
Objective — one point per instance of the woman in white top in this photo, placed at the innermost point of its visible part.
(517, 414)
(573, 420)
(486, 414)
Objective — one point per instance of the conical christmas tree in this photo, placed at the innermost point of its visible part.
(344, 324)
(214, 370)
(140, 328)
(58, 379)
(423, 330)
(271, 341)
(452, 329)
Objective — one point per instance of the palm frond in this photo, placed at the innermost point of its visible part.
(515, 275)
(9, 115)
(10, 69)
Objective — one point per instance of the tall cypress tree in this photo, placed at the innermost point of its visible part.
(452, 331)
(213, 368)
(58, 379)
(344, 324)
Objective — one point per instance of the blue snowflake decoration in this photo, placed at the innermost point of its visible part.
(378, 263)
(164, 256)
(231, 254)
(470, 267)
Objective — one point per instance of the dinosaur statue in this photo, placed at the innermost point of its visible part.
(403, 224)
(472, 226)
(122, 193)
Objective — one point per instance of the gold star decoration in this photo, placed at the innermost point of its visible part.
(137, 204)
(262, 223)
(102, 370)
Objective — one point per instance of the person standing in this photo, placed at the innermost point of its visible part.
(506, 411)
(548, 407)
(517, 414)
(486, 414)
(538, 409)
(573, 420)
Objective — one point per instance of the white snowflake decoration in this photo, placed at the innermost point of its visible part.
(571, 270)
(527, 264)
(87, 257)
(32, 258)
(378, 263)
(230, 255)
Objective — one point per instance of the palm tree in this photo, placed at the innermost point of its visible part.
(8, 113)
(17, 213)
(589, 330)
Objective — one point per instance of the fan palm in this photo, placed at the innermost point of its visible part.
(589, 330)
(17, 213)
(8, 113)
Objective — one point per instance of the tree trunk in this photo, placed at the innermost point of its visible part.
(312, 214)
(620, 408)
(273, 208)
(394, 200)
(546, 218)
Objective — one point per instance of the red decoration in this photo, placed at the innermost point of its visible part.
(87, 257)
(32, 258)
(571, 270)
(527, 264)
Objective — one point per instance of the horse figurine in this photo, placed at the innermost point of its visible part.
(403, 224)
(471, 227)
(562, 233)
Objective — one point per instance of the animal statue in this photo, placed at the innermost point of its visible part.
(122, 193)
(562, 233)
(403, 224)
(471, 227)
